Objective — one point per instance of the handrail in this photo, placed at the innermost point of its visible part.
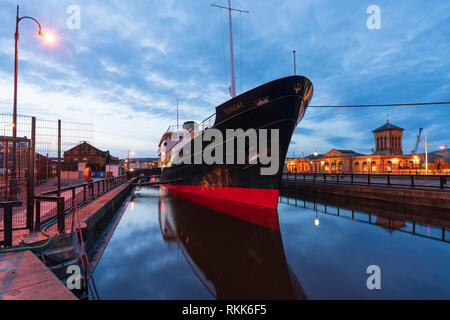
(75, 186)
(204, 120)
(88, 194)
(435, 181)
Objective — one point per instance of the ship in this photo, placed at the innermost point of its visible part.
(276, 106)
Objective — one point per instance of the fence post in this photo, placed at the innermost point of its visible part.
(351, 176)
(60, 215)
(37, 224)
(368, 178)
(7, 220)
(389, 180)
(7, 225)
(30, 174)
(5, 169)
(442, 180)
(59, 158)
(412, 181)
(84, 193)
(74, 200)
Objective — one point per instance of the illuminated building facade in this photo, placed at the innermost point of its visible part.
(387, 157)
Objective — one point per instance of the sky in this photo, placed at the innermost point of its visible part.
(128, 61)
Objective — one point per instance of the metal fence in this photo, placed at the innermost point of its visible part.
(55, 205)
(32, 163)
(393, 180)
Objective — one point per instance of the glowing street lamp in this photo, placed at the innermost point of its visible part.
(48, 38)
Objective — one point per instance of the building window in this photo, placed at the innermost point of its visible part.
(357, 166)
(327, 167)
(389, 166)
(333, 166)
(364, 166)
(374, 166)
(341, 166)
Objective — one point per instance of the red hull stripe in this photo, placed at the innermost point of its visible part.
(267, 198)
(254, 205)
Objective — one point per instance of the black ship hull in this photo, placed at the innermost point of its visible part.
(230, 188)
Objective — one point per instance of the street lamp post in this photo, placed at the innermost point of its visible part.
(49, 38)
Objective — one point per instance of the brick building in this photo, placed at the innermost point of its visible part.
(92, 156)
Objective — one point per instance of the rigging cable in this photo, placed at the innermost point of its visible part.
(240, 50)
(386, 105)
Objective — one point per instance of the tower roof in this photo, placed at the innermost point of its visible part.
(387, 126)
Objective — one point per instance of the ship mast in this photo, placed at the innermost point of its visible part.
(233, 80)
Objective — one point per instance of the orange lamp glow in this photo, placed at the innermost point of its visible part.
(48, 37)
(395, 160)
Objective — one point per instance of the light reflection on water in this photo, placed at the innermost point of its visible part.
(165, 248)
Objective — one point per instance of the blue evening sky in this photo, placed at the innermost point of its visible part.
(125, 66)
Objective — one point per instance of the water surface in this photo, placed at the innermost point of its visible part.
(166, 248)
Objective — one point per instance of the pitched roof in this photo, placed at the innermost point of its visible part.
(312, 156)
(349, 152)
(83, 146)
(387, 126)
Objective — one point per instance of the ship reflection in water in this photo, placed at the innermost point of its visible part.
(234, 259)
(166, 248)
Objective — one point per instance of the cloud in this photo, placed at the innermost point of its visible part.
(126, 66)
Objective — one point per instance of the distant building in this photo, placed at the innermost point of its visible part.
(140, 163)
(92, 156)
(387, 157)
